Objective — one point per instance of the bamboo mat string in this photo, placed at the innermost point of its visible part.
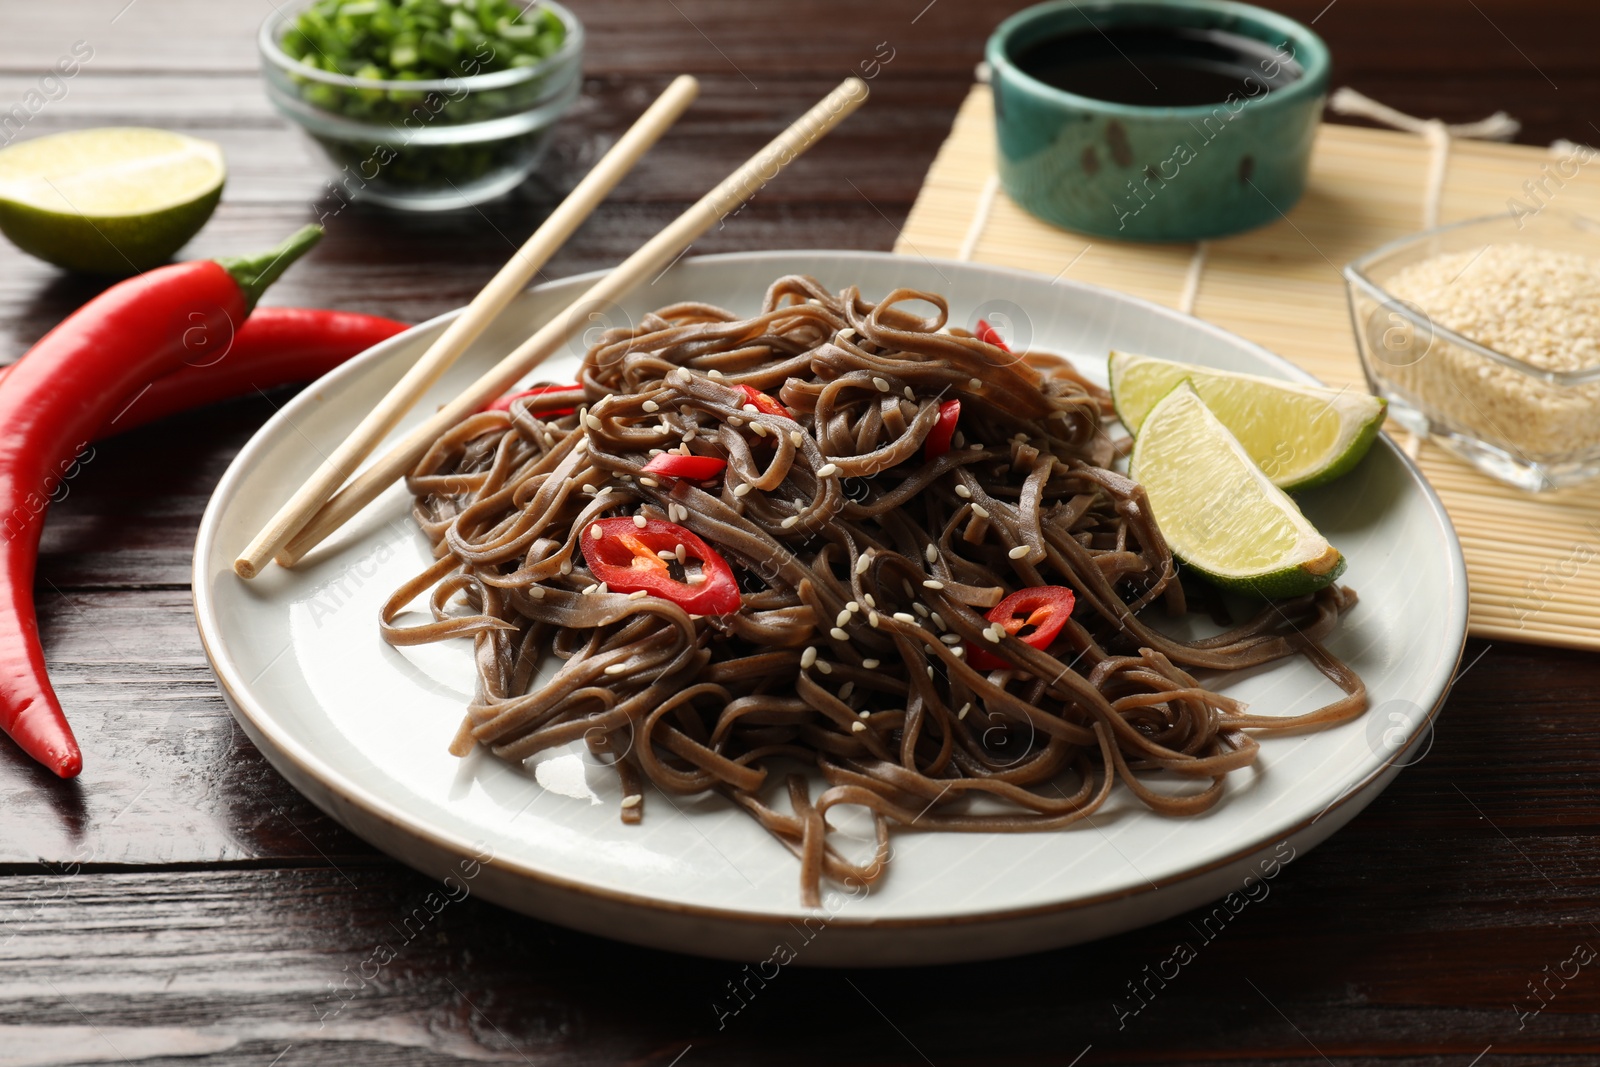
(1191, 278)
(1497, 127)
(980, 217)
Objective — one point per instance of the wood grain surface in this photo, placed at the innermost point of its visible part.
(180, 903)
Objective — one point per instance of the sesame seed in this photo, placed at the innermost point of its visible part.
(994, 638)
(1020, 552)
(846, 334)
(665, 553)
(681, 553)
(976, 446)
(751, 408)
(742, 489)
(883, 386)
(604, 489)
(905, 616)
(864, 713)
(588, 489)
(930, 671)
(758, 429)
(657, 451)
(842, 618)
(827, 470)
(863, 563)
(684, 375)
(681, 512)
(852, 606)
(789, 522)
(980, 511)
(632, 800)
(871, 664)
(824, 666)
(921, 609)
(950, 639)
(846, 689)
(957, 650)
(589, 589)
(690, 434)
(602, 588)
(933, 583)
(808, 657)
(651, 406)
(975, 383)
(866, 598)
(596, 532)
(962, 714)
(872, 619)
(938, 620)
(566, 566)
(651, 482)
(592, 422)
(734, 420)
(931, 554)
(838, 635)
(640, 521)
(693, 579)
(536, 592)
(909, 394)
(549, 439)
(858, 727)
(797, 438)
(638, 594)
(963, 492)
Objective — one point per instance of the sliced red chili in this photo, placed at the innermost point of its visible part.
(1034, 615)
(625, 557)
(693, 468)
(504, 403)
(764, 403)
(938, 440)
(990, 335)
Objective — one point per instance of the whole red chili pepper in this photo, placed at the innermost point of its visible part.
(275, 346)
(54, 400)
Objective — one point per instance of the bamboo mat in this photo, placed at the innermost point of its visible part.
(1533, 561)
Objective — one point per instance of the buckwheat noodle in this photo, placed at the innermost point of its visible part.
(844, 528)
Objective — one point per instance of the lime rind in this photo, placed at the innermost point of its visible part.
(1220, 513)
(1301, 435)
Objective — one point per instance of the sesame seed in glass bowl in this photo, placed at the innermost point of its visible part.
(1485, 336)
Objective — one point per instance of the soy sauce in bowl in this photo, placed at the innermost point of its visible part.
(1157, 66)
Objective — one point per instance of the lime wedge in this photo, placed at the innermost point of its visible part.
(1301, 435)
(1218, 511)
(109, 201)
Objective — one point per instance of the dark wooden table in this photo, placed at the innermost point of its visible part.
(179, 901)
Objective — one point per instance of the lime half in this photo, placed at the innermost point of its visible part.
(1218, 511)
(109, 201)
(1301, 435)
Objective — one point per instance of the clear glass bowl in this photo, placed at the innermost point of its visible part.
(1533, 427)
(425, 145)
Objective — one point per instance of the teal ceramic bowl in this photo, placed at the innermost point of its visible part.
(1156, 173)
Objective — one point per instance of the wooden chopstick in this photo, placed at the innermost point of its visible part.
(654, 257)
(484, 309)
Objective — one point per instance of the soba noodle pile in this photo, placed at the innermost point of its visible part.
(866, 573)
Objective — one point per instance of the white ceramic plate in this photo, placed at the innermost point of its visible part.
(361, 728)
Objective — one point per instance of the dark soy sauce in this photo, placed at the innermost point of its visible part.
(1164, 66)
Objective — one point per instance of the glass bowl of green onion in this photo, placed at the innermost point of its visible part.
(424, 105)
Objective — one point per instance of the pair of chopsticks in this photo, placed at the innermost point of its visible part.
(320, 506)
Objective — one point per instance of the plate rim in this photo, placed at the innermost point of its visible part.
(282, 744)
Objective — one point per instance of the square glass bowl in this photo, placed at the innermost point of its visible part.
(426, 145)
(1534, 427)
